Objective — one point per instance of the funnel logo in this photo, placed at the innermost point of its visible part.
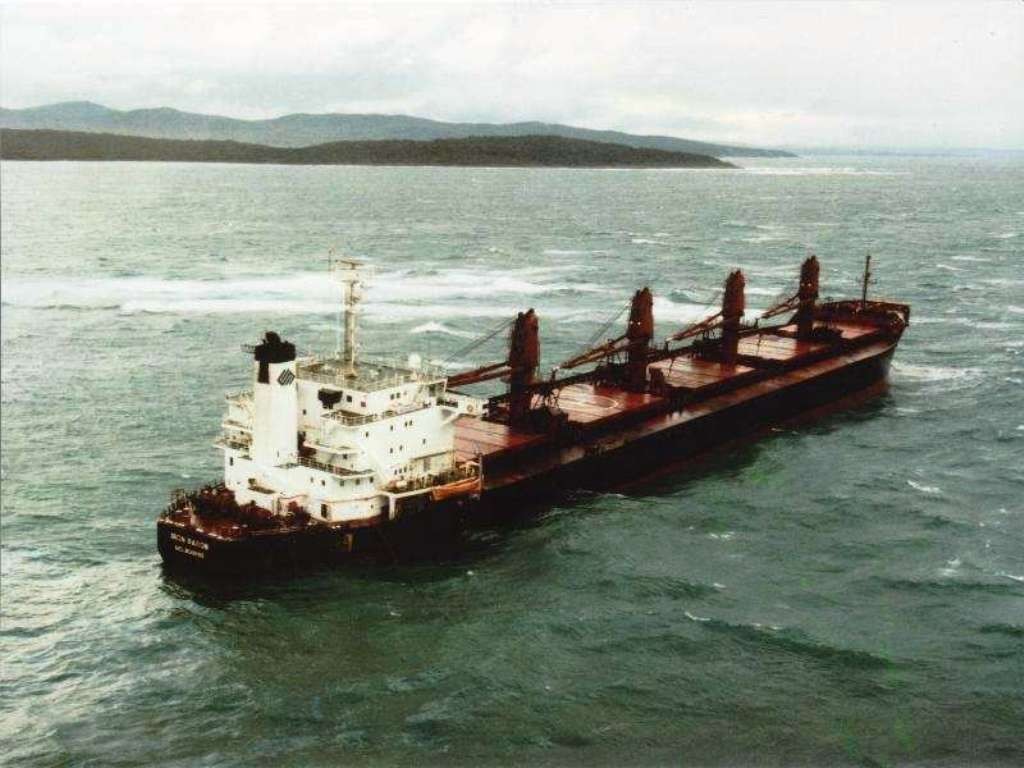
(286, 378)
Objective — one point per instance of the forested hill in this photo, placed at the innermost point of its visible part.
(304, 130)
(525, 151)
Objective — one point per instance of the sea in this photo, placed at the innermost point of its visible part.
(847, 591)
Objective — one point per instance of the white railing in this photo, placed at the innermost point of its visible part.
(357, 419)
(333, 469)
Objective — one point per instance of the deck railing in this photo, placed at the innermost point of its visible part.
(333, 469)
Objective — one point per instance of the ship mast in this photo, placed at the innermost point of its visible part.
(346, 272)
(864, 287)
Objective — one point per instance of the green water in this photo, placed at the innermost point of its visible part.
(848, 592)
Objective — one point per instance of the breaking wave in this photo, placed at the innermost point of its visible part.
(932, 374)
(390, 296)
(931, 490)
(435, 327)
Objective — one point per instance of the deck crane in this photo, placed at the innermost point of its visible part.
(519, 368)
(803, 301)
(635, 343)
(727, 319)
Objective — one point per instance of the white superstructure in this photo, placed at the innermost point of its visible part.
(342, 438)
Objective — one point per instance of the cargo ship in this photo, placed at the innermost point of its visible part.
(329, 458)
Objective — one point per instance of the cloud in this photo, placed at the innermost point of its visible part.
(820, 73)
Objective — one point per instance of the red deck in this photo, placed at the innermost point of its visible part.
(694, 373)
(779, 349)
(849, 330)
(586, 404)
(475, 437)
(590, 403)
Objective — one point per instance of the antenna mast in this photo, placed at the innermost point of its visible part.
(864, 287)
(346, 272)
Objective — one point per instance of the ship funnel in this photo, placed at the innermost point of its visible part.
(733, 306)
(275, 402)
(523, 359)
(807, 296)
(639, 333)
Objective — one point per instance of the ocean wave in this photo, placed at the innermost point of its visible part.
(435, 327)
(1003, 629)
(946, 375)
(754, 239)
(931, 490)
(793, 641)
(666, 310)
(398, 294)
(946, 585)
(568, 252)
(824, 171)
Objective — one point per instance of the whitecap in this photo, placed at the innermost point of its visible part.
(931, 490)
(691, 617)
(933, 373)
(435, 327)
(666, 310)
(568, 252)
(401, 293)
(761, 239)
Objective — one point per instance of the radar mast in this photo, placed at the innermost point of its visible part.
(347, 272)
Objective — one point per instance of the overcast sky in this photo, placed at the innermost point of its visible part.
(824, 73)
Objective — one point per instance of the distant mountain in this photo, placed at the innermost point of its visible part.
(301, 130)
(524, 151)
